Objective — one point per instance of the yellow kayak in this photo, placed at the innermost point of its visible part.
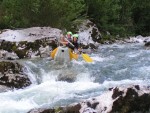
(72, 55)
(64, 53)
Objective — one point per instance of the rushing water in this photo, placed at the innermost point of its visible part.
(114, 65)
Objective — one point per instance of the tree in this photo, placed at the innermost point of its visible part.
(141, 17)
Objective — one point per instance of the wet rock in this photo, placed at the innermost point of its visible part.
(92, 29)
(44, 51)
(4, 88)
(92, 46)
(40, 110)
(31, 42)
(21, 53)
(6, 45)
(68, 109)
(116, 93)
(24, 49)
(67, 77)
(89, 35)
(131, 102)
(72, 108)
(120, 100)
(147, 44)
(11, 75)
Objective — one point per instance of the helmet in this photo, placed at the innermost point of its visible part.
(76, 36)
(69, 33)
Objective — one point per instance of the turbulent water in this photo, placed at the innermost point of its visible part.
(114, 65)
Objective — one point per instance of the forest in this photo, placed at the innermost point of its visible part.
(118, 17)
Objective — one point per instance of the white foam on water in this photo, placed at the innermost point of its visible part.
(85, 77)
(51, 76)
(78, 62)
(47, 92)
(125, 82)
(16, 106)
(51, 91)
(97, 58)
(115, 45)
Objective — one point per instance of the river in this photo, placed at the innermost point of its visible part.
(59, 85)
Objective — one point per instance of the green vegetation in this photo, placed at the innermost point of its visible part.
(119, 17)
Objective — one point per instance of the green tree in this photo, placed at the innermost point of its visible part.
(55, 13)
(105, 14)
(141, 17)
(123, 17)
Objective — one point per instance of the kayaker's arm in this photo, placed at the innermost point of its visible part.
(63, 40)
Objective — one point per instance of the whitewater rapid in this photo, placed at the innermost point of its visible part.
(114, 65)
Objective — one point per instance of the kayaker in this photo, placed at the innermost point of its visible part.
(75, 43)
(69, 36)
(64, 41)
(71, 41)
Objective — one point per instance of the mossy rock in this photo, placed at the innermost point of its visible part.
(11, 75)
(21, 53)
(26, 47)
(67, 109)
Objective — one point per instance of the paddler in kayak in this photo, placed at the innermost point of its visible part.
(71, 41)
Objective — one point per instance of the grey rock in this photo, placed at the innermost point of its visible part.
(12, 76)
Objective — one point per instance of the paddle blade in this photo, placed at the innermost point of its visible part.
(53, 53)
(87, 58)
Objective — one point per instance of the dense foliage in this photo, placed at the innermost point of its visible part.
(123, 17)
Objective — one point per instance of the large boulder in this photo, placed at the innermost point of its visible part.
(39, 41)
(12, 76)
(130, 100)
(25, 49)
(120, 100)
(89, 35)
(27, 43)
